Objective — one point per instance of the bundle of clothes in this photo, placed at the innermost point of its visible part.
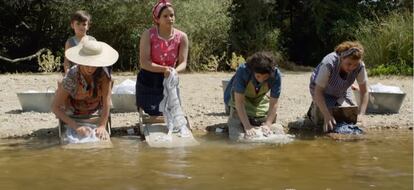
(347, 128)
(170, 106)
(73, 137)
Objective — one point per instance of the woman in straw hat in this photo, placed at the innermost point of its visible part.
(86, 88)
(162, 48)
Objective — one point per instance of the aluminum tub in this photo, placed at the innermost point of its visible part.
(382, 102)
(123, 102)
(36, 101)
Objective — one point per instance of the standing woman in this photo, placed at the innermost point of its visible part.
(161, 48)
(331, 81)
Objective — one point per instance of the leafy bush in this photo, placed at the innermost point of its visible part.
(391, 69)
(28, 26)
(253, 28)
(120, 24)
(388, 44)
(48, 62)
(301, 31)
(214, 62)
(235, 61)
(207, 25)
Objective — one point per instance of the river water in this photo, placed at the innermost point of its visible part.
(383, 160)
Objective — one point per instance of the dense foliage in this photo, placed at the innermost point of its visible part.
(220, 31)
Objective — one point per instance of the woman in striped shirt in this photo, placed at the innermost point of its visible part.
(331, 81)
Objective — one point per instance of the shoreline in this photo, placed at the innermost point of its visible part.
(201, 100)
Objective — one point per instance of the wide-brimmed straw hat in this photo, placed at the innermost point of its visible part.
(92, 53)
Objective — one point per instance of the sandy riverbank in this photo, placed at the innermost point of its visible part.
(202, 101)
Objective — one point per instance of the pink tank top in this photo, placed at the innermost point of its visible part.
(165, 52)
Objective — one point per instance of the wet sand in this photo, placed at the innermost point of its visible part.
(201, 95)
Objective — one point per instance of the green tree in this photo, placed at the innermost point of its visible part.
(253, 26)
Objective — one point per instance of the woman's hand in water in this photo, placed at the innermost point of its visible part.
(266, 128)
(361, 121)
(83, 131)
(329, 123)
(101, 133)
(249, 131)
(167, 72)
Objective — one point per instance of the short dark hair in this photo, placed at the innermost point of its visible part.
(262, 63)
(80, 16)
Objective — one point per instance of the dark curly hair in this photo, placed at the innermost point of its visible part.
(99, 77)
(81, 16)
(262, 63)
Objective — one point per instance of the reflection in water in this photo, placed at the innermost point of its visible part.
(383, 160)
(175, 164)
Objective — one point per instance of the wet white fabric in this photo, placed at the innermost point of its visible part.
(277, 136)
(73, 137)
(164, 138)
(385, 89)
(171, 108)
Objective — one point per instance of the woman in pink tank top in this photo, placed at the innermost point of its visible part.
(162, 47)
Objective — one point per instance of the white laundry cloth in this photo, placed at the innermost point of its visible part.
(163, 138)
(277, 136)
(385, 89)
(126, 87)
(171, 108)
(73, 137)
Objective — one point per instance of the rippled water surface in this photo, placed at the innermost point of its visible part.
(384, 160)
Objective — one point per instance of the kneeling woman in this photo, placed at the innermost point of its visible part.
(246, 94)
(86, 88)
(331, 81)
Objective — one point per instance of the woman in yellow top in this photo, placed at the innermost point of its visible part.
(247, 95)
